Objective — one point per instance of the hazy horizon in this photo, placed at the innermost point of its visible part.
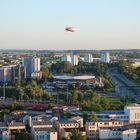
(39, 25)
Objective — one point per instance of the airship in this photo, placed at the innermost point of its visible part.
(70, 29)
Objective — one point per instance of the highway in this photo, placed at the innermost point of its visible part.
(124, 86)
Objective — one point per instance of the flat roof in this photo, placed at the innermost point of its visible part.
(67, 77)
(16, 124)
(3, 125)
(42, 123)
(70, 129)
(45, 129)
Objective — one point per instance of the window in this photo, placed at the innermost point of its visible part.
(128, 135)
(106, 123)
(135, 115)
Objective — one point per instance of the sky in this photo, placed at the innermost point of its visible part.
(40, 24)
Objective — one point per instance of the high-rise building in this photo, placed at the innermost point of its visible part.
(16, 73)
(105, 57)
(28, 64)
(67, 57)
(36, 64)
(5, 74)
(31, 64)
(74, 59)
(88, 58)
(11, 73)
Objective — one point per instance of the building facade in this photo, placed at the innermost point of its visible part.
(133, 112)
(32, 65)
(88, 58)
(73, 59)
(105, 57)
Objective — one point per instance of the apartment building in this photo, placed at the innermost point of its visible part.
(61, 125)
(44, 134)
(133, 112)
(92, 127)
(117, 134)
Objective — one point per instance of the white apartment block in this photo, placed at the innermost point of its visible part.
(36, 64)
(130, 114)
(117, 133)
(129, 134)
(67, 57)
(73, 59)
(105, 57)
(4, 134)
(88, 58)
(133, 112)
(93, 127)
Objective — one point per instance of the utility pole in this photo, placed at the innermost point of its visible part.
(40, 98)
(67, 94)
(57, 97)
(4, 91)
(34, 98)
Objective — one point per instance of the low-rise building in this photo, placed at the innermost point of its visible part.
(113, 115)
(44, 134)
(61, 125)
(117, 134)
(41, 124)
(59, 111)
(93, 127)
(136, 63)
(133, 112)
(16, 127)
(43, 130)
(78, 119)
(4, 132)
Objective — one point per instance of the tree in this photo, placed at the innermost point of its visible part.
(85, 117)
(127, 68)
(16, 106)
(74, 97)
(95, 97)
(105, 103)
(68, 114)
(4, 112)
(45, 72)
(24, 136)
(21, 93)
(76, 135)
(94, 116)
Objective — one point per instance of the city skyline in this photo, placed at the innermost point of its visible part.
(40, 25)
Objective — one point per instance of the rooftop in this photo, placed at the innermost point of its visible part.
(3, 125)
(76, 118)
(42, 123)
(133, 105)
(67, 121)
(45, 129)
(70, 129)
(16, 124)
(66, 77)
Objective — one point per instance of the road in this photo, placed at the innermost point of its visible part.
(124, 86)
